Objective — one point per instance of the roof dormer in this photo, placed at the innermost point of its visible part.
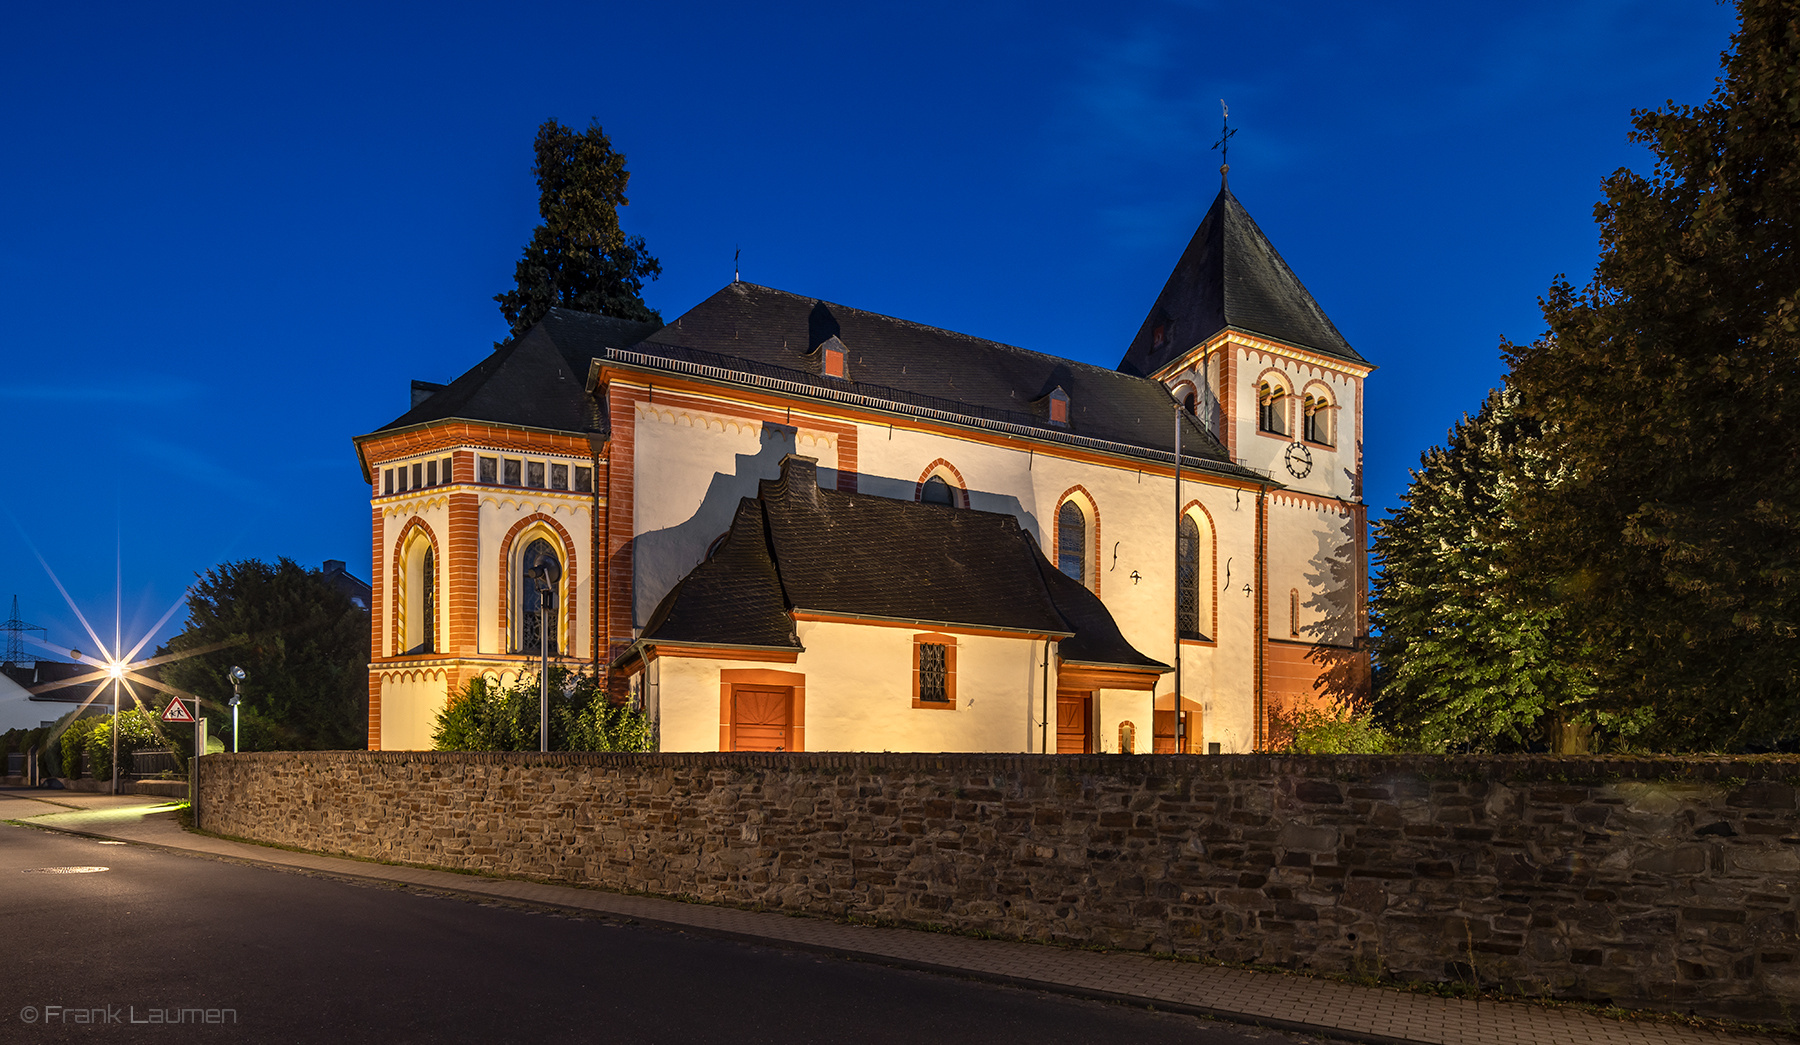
(832, 359)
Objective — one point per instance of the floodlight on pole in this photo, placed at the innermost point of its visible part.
(540, 577)
(237, 676)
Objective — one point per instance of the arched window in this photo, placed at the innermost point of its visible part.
(1318, 419)
(1271, 399)
(1187, 575)
(1071, 541)
(1191, 403)
(937, 491)
(537, 553)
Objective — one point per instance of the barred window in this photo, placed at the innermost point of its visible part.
(934, 676)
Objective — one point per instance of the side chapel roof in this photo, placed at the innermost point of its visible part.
(1230, 275)
(796, 546)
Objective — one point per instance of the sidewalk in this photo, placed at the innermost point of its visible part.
(1292, 1003)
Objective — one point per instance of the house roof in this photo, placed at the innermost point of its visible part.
(797, 547)
(777, 334)
(1231, 276)
(534, 381)
(47, 681)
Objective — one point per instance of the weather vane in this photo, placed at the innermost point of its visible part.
(1224, 142)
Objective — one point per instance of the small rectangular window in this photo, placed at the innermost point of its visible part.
(559, 477)
(431, 473)
(834, 363)
(418, 475)
(389, 482)
(445, 471)
(584, 479)
(534, 474)
(401, 488)
(490, 470)
(512, 473)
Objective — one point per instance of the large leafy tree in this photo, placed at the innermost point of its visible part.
(1671, 379)
(303, 644)
(1463, 662)
(578, 257)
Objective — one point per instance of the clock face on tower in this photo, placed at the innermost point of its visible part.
(1298, 460)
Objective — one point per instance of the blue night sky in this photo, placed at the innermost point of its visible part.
(232, 235)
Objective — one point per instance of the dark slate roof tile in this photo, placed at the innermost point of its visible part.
(1230, 275)
(776, 334)
(733, 598)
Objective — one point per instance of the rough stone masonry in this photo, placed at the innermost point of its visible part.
(1663, 884)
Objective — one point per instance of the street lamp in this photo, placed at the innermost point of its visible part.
(540, 577)
(237, 676)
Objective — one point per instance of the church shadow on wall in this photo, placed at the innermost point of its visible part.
(1338, 655)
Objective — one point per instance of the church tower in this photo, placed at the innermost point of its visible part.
(1241, 343)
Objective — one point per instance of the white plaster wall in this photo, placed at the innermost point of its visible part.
(859, 692)
(691, 470)
(501, 508)
(687, 694)
(1115, 706)
(1333, 469)
(1314, 550)
(430, 506)
(1136, 518)
(409, 709)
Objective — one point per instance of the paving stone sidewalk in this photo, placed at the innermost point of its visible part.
(1294, 1003)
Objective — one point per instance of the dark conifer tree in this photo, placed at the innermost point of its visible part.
(1462, 662)
(1671, 379)
(578, 258)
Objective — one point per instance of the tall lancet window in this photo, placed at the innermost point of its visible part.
(1187, 575)
(537, 553)
(1071, 541)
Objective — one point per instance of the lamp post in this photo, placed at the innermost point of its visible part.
(237, 676)
(539, 575)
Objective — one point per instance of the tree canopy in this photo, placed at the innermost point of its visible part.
(302, 643)
(578, 257)
(1673, 551)
(1463, 661)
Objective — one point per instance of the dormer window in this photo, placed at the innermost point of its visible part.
(1059, 408)
(831, 358)
(1159, 335)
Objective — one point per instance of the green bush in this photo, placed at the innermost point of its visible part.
(74, 742)
(137, 728)
(486, 716)
(1338, 730)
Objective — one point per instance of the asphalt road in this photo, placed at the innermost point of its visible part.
(306, 959)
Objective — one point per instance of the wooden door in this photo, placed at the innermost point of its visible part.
(1072, 713)
(762, 718)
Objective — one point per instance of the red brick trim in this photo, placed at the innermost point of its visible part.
(376, 603)
(376, 450)
(437, 563)
(960, 486)
(1092, 514)
(570, 575)
(462, 597)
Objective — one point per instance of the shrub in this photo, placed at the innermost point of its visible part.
(487, 716)
(1338, 730)
(137, 728)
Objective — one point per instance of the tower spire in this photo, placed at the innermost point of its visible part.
(1224, 143)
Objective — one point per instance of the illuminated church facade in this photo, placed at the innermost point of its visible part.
(781, 523)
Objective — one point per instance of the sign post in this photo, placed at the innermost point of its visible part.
(178, 712)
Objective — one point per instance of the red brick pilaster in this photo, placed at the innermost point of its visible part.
(620, 515)
(461, 588)
(376, 604)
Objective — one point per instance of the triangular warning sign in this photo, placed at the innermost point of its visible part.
(177, 712)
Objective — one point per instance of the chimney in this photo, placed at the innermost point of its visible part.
(334, 566)
(800, 476)
(423, 390)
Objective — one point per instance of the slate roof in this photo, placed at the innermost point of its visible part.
(535, 381)
(1230, 275)
(774, 333)
(795, 546)
(48, 673)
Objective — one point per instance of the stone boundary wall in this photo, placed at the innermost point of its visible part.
(1650, 883)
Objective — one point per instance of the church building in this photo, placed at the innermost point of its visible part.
(781, 523)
